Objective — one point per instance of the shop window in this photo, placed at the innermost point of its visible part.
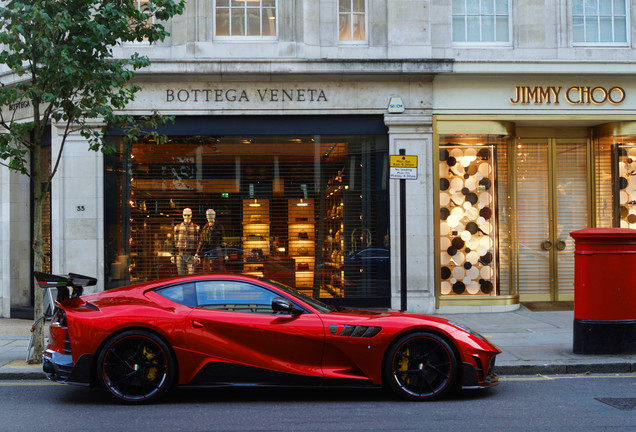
(625, 207)
(604, 172)
(352, 20)
(473, 233)
(310, 212)
(246, 18)
(600, 22)
(481, 21)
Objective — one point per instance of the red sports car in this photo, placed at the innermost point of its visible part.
(141, 340)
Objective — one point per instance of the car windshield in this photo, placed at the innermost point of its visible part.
(316, 304)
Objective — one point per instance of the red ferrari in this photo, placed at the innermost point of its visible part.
(141, 340)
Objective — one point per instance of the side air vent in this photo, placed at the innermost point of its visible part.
(355, 331)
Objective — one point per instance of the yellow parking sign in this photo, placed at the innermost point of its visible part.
(403, 161)
(403, 167)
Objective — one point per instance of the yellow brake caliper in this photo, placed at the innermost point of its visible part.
(403, 365)
(152, 371)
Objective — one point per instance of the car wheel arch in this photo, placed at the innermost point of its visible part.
(120, 331)
(412, 331)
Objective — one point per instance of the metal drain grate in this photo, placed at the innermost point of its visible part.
(624, 404)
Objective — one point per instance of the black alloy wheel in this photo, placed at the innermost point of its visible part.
(420, 366)
(136, 367)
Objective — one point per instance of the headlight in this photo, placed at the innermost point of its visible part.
(467, 330)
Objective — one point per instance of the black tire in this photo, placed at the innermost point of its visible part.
(136, 367)
(420, 366)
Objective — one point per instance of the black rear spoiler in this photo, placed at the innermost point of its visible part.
(71, 285)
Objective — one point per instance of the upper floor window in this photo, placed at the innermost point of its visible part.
(255, 18)
(142, 6)
(599, 21)
(486, 21)
(352, 20)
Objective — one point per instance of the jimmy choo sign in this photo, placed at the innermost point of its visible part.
(575, 95)
(264, 95)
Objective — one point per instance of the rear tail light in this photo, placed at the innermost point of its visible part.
(59, 340)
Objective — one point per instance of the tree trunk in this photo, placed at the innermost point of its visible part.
(38, 196)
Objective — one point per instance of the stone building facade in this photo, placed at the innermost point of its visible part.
(518, 115)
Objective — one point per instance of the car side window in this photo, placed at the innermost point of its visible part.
(234, 296)
(183, 294)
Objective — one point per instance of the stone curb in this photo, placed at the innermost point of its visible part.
(36, 373)
(565, 369)
(27, 373)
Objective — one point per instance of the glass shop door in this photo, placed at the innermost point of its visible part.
(551, 201)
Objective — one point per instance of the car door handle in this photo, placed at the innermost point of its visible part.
(196, 324)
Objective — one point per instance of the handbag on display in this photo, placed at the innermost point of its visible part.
(303, 235)
(303, 266)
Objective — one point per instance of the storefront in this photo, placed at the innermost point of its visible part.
(299, 199)
(297, 176)
(519, 167)
(289, 182)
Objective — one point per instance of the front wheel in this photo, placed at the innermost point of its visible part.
(420, 366)
(136, 367)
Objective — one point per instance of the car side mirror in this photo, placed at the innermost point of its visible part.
(283, 305)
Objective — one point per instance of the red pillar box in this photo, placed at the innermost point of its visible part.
(604, 291)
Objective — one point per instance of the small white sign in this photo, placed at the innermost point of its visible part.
(403, 173)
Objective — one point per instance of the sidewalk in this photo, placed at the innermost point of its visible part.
(535, 343)
(14, 340)
(531, 342)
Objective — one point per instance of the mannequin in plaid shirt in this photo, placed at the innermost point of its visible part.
(186, 238)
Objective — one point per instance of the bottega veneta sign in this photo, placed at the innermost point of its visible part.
(241, 95)
(19, 105)
(575, 95)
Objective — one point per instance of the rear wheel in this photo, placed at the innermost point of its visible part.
(136, 366)
(420, 366)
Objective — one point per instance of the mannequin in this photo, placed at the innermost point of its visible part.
(210, 243)
(186, 235)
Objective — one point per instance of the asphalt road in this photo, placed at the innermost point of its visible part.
(559, 403)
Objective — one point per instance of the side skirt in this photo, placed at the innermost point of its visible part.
(216, 373)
